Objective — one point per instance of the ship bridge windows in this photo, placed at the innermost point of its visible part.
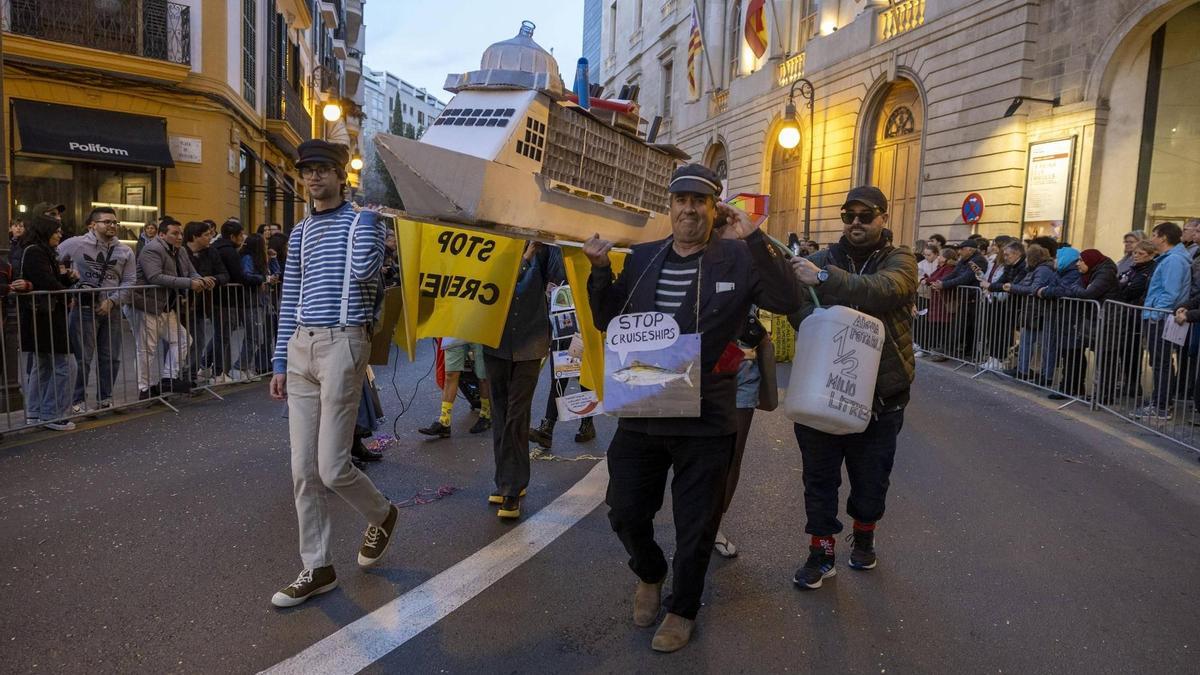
(535, 140)
(476, 117)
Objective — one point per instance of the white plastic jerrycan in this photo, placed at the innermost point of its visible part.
(833, 373)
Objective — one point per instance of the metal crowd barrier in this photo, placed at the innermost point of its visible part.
(945, 322)
(86, 352)
(1110, 356)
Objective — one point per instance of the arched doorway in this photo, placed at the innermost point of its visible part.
(717, 159)
(785, 184)
(894, 154)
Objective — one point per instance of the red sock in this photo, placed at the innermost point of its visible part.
(864, 527)
(824, 542)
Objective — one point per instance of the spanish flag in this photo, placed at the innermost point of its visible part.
(695, 44)
(756, 27)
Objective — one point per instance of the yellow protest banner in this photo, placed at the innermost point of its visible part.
(457, 282)
(578, 269)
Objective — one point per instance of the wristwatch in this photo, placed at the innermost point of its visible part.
(822, 276)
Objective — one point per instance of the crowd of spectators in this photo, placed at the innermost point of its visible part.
(1029, 332)
(188, 293)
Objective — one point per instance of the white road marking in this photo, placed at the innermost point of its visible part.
(381, 632)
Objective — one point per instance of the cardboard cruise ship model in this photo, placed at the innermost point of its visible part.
(514, 151)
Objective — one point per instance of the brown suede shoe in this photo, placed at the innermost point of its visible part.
(647, 600)
(673, 634)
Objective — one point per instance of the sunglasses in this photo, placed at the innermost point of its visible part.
(863, 217)
(106, 222)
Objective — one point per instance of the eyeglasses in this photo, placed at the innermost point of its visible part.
(106, 222)
(863, 217)
(320, 171)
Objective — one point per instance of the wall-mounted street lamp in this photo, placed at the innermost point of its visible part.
(789, 137)
(356, 163)
(332, 112)
(1016, 103)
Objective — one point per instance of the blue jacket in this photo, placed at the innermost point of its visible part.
(1171, 282)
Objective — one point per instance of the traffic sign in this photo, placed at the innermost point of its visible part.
(972, 208)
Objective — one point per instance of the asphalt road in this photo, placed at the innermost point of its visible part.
(1017, 539)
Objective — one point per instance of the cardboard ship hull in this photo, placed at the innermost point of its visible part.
(452, 187)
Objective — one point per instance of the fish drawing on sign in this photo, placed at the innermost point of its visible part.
(640, 374)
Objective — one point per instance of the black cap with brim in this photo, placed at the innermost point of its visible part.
(868, 195)
(42, 207)
(317, 151)
(695, 178)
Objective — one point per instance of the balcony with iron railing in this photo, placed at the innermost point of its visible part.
(287, 107)
(154, 29)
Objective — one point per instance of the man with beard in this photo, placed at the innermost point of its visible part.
(865, 272)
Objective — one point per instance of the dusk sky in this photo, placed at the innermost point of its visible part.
(424, 41)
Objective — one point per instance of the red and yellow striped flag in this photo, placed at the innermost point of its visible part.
(695, 44)
(756, 27)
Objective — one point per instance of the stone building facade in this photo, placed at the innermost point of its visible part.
(918, 97)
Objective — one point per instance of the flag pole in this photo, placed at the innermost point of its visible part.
(704, 46)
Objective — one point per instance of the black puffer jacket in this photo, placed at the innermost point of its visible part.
(885, 288)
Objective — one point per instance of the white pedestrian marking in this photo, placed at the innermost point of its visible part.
(381, 632)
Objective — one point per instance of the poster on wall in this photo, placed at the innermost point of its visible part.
(1048, 187)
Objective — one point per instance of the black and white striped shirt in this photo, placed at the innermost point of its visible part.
(678, 277)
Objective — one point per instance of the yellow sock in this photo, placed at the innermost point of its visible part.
(444, 418)
(485, 408)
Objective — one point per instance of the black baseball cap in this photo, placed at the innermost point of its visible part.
(868, 195)
(42, 207)
(695, 178)
(316, 150)
(970, 243)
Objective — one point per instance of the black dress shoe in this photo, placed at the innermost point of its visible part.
(362, 453)
(436, 429)
(481, 425)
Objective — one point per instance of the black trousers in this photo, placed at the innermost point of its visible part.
(637, 467)
(744, 417)
(868, 457)
(512, 386)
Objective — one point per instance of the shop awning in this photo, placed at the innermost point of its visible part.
(89, 134)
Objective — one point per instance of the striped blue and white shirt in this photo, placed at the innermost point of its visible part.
(318, 246)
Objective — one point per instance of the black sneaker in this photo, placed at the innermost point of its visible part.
(818, 567)
(543, 434)
(377, 538)
(308, 584)
(587, 430)
(436, 429)
(862, 550)
(481, 425)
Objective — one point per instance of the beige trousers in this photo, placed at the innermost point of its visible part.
(325, 374)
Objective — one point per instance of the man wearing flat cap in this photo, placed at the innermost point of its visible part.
(325, 319)
(864, 271)
(707, 279)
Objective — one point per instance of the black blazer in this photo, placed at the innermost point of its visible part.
(753, 271)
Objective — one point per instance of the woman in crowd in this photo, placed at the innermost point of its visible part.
(1097, 281)
(256, 273)
(1131, 242)
(1040, 273)
(928, 262)
(1124, 324)
(44, 327)
(941, 308)
(149, 231)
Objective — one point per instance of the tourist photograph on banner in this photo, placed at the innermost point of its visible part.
(650, 369)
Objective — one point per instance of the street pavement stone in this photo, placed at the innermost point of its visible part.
(1016, 539)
